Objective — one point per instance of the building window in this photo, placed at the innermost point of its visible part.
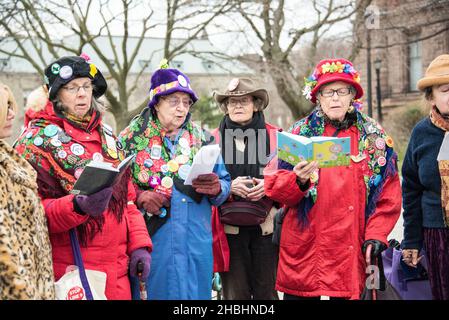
(208, 65)
(177, 64)
(4, 64)
(415, 64)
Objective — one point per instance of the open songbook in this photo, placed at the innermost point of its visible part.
(98, 175)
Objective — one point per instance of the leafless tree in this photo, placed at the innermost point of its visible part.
(278, 39)
(44, 26)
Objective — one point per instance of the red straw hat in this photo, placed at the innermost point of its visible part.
(331, 70)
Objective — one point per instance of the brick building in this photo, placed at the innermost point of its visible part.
(406, 36)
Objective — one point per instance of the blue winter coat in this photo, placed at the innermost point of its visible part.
(182, 261)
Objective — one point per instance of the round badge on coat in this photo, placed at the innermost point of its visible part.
(182, 159)
(113, 153)
(55, 142)
(183, 171)
(182, 81)
(164, 168)
(143, 177)
(148, 163)
(97, 156)
(62, 154)
(29, 135)
(233, 84)
(173, 166)
(38, 141)
(66, 72)
(77, 149)
(163, 212)
(155, 181)
(167, 182)
(380, 143)
(382, 161)
(63, 137)
(183, 143)
(50, 131)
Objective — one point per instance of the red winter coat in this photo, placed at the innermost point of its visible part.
(326, 257)
(220, 245)
(109, 250)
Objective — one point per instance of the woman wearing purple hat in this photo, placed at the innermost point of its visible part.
(165, 140)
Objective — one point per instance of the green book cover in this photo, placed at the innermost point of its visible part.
(328, 151)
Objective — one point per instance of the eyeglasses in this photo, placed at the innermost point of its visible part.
(340, 92)
(174, 102)
(243, 102)
(75, 89)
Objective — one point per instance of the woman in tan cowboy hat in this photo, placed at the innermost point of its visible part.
(425, 185)
(249, 256)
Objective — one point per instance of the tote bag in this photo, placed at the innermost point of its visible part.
(78, 283)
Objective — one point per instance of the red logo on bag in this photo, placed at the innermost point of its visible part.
(75, 293)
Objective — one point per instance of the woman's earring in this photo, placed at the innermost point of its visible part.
(351, 109)
(319, 111)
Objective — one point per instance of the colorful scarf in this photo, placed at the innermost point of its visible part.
(443, 165)
(159, 159)
(374, 145)
(59, 160)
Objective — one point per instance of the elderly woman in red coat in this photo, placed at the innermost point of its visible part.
(62, 136)
(334, 213)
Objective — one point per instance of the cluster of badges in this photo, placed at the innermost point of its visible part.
(178, 165)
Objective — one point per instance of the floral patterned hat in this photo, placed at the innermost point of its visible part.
(331, 70)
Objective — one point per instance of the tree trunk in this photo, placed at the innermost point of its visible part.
(289, 89)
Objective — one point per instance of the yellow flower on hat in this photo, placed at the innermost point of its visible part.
(163, 64)
(93, 70)
(326, 68)
(339, 67)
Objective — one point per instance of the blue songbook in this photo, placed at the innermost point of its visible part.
(328, 151)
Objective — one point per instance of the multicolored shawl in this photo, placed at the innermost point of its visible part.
(65, 157)
(443, 165)
(158, 159)
(60, 159)
(374, 145)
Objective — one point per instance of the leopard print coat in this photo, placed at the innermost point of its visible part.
(26, 269)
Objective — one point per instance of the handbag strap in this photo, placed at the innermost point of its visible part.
(79, 262)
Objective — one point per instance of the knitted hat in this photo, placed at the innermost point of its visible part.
(331, 70)
(64, 70)
(437, 73)
(239, 87)
(165, 81)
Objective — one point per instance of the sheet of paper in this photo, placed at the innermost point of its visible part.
(203, 162)
(444, 149)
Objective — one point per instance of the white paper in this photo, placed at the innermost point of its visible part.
(203, 162)
(444, 149)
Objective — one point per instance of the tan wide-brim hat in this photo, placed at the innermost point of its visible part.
(437, 73)
(239, 87)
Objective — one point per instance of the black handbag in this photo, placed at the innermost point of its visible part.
(245, 213)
